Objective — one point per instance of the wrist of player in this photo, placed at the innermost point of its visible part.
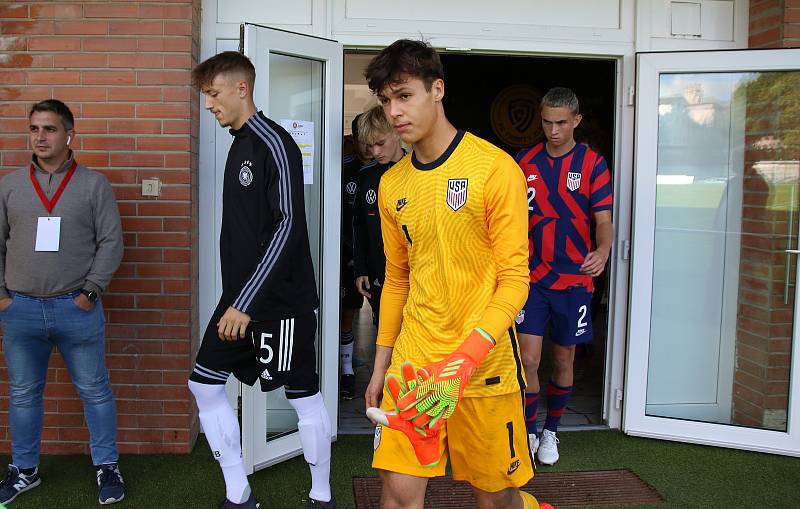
(441, 386)
(477, 345)
(603, 252)
(426, 443)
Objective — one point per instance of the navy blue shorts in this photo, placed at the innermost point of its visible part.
(569, 312)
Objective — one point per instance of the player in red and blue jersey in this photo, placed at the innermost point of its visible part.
(569, 193)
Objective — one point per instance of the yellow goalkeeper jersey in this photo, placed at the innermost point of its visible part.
(456, 240)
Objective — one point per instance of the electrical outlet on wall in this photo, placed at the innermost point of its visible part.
(151, 186)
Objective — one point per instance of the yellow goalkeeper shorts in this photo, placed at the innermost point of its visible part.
(485, 440)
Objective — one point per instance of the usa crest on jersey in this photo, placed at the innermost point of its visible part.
(456, 193)
(573, 180)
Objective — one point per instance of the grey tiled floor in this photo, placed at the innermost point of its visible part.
(583, 410)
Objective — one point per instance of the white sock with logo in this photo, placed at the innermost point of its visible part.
(221, 428)
(346, 342)
(314, 426)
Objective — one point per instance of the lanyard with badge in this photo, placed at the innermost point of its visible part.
(48, 231)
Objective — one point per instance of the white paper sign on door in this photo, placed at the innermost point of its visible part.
(302, 132)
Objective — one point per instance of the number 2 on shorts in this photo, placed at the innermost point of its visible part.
(582, 318)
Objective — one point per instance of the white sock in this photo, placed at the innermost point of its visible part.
(222, 432)
(346, 342)
(314, 425)
(236, 490)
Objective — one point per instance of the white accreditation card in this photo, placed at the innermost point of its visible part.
(48, 234)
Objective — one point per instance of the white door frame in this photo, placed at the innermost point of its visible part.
(622, 181)
(215, 39)
(619, 263)
(636, 422)
(636, 31)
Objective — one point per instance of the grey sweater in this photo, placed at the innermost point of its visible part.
(90, 247)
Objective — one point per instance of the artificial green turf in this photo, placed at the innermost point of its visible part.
(688, 476)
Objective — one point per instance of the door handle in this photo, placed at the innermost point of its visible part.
(790, 219)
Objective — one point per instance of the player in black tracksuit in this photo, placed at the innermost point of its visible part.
(351, 299)
(368, 257)
(351, 164)
(383, 144)
(265, 257)
(264, 249)
(265, 323)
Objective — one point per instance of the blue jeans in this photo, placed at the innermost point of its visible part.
(31, 327)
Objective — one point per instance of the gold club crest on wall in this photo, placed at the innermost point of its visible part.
(515, 115)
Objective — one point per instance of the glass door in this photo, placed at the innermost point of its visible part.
(712, 336)
(299, 85)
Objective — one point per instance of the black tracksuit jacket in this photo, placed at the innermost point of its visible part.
(368, 256)
(264, 250)
(351, 165)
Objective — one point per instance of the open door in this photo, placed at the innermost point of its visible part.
(299, 85)
(712, 351)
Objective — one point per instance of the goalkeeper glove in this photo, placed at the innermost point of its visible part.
(434, 398)
(424, 442)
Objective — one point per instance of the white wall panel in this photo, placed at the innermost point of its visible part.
(676, 25)
(576, 27)
(265, 12)
(715, 19)
(575, 13)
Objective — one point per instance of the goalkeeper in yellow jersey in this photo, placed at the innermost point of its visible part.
(454, 223)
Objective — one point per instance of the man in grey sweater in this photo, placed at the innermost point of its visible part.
(60, 243)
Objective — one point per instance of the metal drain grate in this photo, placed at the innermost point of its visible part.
(562, 489)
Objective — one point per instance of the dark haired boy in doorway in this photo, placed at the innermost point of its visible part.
(569, 195)
(453, 224)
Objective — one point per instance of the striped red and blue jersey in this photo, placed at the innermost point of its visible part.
(563, 194)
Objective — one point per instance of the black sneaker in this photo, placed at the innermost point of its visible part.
(250, 503)
(347, 386)
(316, 504)
(16, 482)
(110, 483)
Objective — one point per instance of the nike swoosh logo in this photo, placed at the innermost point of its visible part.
(513, 467)
(401, 203)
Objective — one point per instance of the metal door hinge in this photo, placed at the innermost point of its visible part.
(625, 249)
(631, 95)
(617, 398)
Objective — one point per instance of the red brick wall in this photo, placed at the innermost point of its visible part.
(764, 320)
(774, 24)
(765, 316)
(123, 68)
